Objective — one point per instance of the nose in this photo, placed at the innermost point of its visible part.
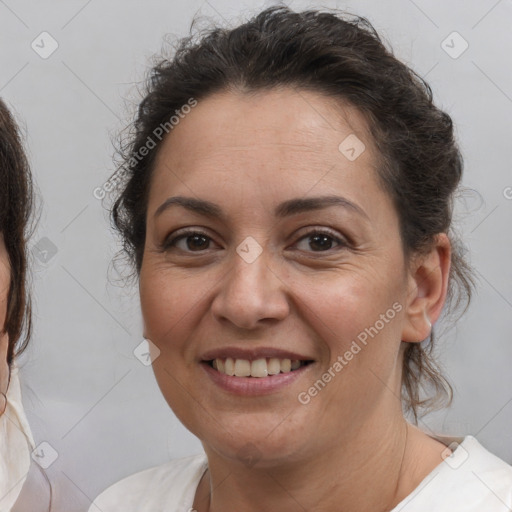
(251, 294)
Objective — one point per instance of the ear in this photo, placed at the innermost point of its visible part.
(427, 289)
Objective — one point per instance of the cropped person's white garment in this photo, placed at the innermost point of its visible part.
(471, 480)
(16, 443)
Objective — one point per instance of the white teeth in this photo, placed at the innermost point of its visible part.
(229, 366)
(286, 365)
(258, 368)
(274, 366)
(242, 368)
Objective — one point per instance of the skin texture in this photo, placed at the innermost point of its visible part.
(4, 339)
(350, 444)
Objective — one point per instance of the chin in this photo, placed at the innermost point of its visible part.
(257, 442)
(251, 453)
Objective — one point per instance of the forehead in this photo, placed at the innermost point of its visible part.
(301, 120)
(277, 142)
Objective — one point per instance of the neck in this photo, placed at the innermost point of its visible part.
(361, 471)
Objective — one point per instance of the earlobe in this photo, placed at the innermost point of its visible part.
(427, 320)
(428, 286)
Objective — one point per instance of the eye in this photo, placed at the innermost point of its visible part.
(193, 241)
(197, 241)
(323, 240)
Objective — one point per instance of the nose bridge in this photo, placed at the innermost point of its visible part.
(250, 290)
(250, 266)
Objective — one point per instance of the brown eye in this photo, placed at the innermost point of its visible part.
(322, 241)
(197, 242)
(194, 241)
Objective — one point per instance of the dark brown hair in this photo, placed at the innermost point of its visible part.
(15, 215)
(340, 56)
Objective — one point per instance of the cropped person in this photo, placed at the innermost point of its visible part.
(23, 485)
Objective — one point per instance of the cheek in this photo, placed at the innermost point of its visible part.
(340, 307)
(158, 310)
(167, 302)
(358, 320)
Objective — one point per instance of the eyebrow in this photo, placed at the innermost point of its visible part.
(285, 209)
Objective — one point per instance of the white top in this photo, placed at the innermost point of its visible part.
(16, 443)
(470, 480)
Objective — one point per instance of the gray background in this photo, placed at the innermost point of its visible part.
(85, 392)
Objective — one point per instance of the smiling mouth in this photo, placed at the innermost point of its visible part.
(263, 367)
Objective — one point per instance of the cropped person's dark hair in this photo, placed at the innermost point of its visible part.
(342, 57)
(15, 217)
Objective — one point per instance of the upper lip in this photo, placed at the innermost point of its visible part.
(252, 354)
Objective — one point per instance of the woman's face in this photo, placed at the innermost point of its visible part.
(4, 291)
(277, 273)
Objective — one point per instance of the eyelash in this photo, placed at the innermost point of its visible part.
(171, 242)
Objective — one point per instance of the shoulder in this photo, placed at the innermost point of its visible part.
(155, 489)
(480, 465)
(471, 479)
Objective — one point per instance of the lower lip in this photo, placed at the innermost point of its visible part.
(253, 386)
